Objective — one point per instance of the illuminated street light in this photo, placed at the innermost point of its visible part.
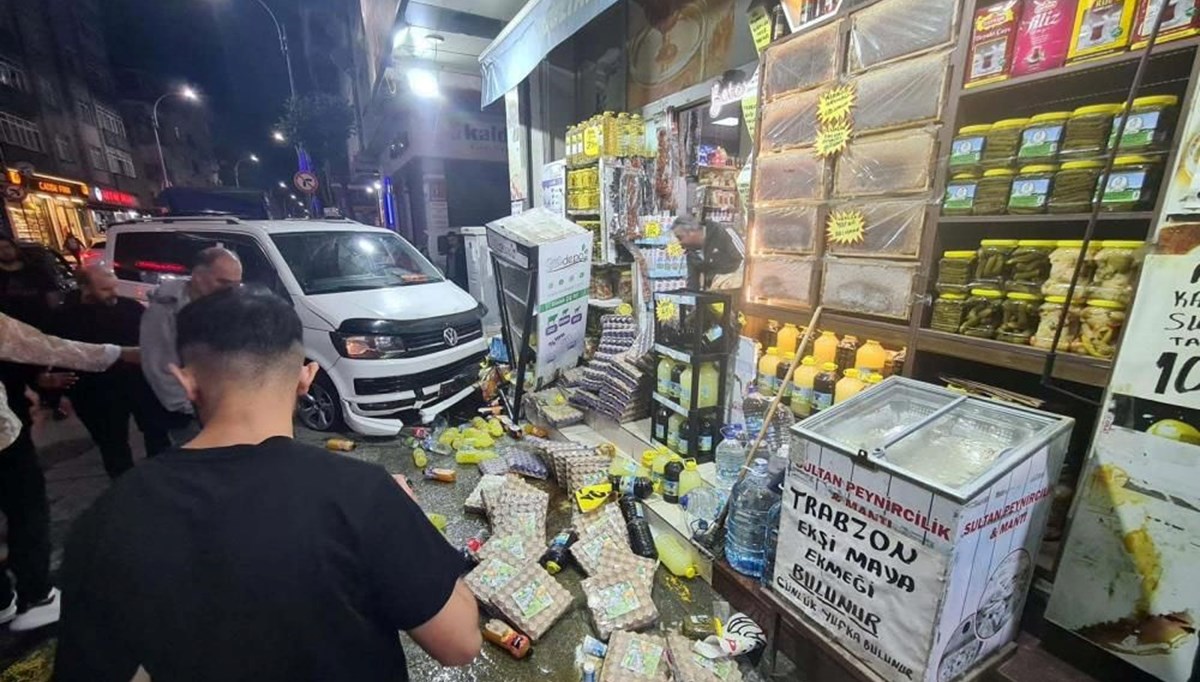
(188, 93)
(237, 179)
(278, 136)
(282, 184)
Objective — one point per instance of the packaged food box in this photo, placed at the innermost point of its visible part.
(1182, 20)
(491, 576)
(1101, 26)
(1044, 35)
(689, 666)
(533, 601)
(993, 34)
(619, 600)
(635, 658)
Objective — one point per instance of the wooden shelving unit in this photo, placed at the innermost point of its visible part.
(1078, 368)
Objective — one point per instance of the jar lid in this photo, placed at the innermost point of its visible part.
(1056, 299)
(690, 464)
(772, 350)
(1156, 101)
(1133, 159)
(1050, 117)
(1122, 244)
(965, 176)
(955, 255)
(986, 293)
(1039, 168)
(852, 373)
(1038, 242)
(1072, 244)
(1098, 109)
(875, 378)
(951, 296)
(998, 242)
(998, 172)
(977, 128)
(808, 361)
(1111, 305)
(829, 366)
(1010, 123)
(1022, 296)
(1077, 165)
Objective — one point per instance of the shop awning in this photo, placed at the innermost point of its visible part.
(538, 28)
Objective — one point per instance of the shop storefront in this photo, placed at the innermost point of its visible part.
(108, 206)
(51, 209)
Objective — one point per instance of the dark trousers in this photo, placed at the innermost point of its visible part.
(105, 406)
(23, 502)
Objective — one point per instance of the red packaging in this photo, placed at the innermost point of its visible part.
(1044, 35)
(1182, 20)
(993, 33)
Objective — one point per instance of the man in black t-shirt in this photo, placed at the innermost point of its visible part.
(246, 555)
(27, 290)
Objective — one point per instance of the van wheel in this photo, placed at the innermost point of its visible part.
(321, 409)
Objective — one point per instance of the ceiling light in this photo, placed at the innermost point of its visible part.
(282, 184)
(278, 136)
(254, 158)
(424, 83)
(729, 122)
(434, 40)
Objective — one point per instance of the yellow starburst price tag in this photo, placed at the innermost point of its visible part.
(835, 104)
(625, 309)
(833, 140)
(674, 249)
(846, 227)
(653, 230)
(664, 311)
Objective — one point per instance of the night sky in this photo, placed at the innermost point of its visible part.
(229, 50)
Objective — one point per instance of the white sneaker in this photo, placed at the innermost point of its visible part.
(39, 615)
(9, 613)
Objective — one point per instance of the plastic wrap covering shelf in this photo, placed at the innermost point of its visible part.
(790, 121)
(903, 94)
(802, 62)
(782, 280)
(890, 30)
(893, 228)
(788, 228)
(891, 163)
(789, 176)
(869, 287)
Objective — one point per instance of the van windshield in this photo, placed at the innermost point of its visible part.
(332, 262)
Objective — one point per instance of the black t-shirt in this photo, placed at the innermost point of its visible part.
(23, 294)
(276, 561)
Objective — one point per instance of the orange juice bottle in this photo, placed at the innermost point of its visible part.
(870, 358)
(787, 339)
(768, 365)
(825, 348)
(848, 386)
(802, 391)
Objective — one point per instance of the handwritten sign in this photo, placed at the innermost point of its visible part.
(846, 228)
(832, 139)
(750, 112)
(760, 26)
(835, 104)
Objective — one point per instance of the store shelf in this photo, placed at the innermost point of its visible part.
(607, 303)
(1105, 217)
(670, 404)
(894, 335)
(1077, 368)
(578, 214)
(687, 358)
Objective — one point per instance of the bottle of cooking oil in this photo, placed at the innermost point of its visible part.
(637, 133)
(611, 138)
(622, 134)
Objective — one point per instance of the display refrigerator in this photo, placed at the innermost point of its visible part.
(910, 524)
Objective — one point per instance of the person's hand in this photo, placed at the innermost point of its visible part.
(56, 381)
(402, 481)
(132, 356)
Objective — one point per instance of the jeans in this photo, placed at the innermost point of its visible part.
(23, 502)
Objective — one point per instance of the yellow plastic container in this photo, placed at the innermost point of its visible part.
(710, 380)
(870, 358)
(768, 384)
(848, 386)
(825, 348)
(675, 556)
(787, 340)
(646, 469)
(802, 390)
(474, 456)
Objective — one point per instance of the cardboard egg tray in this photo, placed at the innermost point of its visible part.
(689, 666)
(635, 658)
(588, 550)
(616, 558)
(520, 509)
(619, 599)
(474, 501)
(515, 547)
(533, 601)
(608, 516)
(582, 472)
(491, 576)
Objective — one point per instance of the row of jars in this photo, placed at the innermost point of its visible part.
(1072, 187)
(1026, 319)
(1044, 267)
(1086, 132)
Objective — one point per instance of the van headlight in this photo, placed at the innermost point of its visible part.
(368, 346)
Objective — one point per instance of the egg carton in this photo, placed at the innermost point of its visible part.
(608, 517)
(689, 666)
(560, 460)
(618, 558)
(619, 600)
(512, 547)
(534, 601)
(491, 576)
(474, 501)
(635, 658)
(582, 472)
(496, 466)
(493, 496)
(589, 549)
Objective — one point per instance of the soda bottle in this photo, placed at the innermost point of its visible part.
(632, 486)
(671, 473)
(556, 552)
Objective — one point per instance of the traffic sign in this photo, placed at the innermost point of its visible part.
(306, 182)
(14, 193)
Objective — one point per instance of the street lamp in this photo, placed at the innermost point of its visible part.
(187, 93)
(278, 136)
(282, 184)
(237, 179)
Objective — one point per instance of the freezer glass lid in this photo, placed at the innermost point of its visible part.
(870, 420)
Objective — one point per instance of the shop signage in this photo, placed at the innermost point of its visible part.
(14, 193)
(554, 187)
(564, 278)
(114, 197)
(732, 91)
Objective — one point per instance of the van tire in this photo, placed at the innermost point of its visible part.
(321, 409)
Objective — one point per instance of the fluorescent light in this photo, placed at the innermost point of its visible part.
(424, 83)
(282, 184)
(729, 122)
(254, 158)
(370, 190)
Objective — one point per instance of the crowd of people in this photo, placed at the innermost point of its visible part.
(233, 552)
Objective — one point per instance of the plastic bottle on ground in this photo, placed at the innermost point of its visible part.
(675, 556)
(730, 457)
(745, 532)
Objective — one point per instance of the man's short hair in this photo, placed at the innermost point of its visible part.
(212, 254)
(687, 224)
(248, 329)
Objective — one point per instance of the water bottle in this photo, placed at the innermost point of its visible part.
(771, 543)
(745, 532)
(730, 457)
(755, 407)
(702, 506)
(777, 467)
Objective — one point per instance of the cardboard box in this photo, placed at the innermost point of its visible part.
(1182, 21)
(1044, 35)
(1101, 27)
(993, 33)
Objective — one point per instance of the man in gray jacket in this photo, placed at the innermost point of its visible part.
(216, 269)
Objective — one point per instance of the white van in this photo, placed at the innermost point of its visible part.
(390, 333)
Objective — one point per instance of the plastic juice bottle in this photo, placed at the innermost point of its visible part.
(848, 386)
(661, 420)
(784, 387)
(771, 336)
(676, 557)
(825, 348)
(789, 337)
(685, 388)
(824, 387)
(690, 479)
(705, 446)
(766, 371)
(665, 367)
(847, 352)
(677, 382)
(710, 382)
(802, 394)
(871, 358)
(673, 427)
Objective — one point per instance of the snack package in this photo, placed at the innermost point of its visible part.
(689, 666)
(533, 601)
(619, 600)
(993, 33)
(526, 463)
(492, 575)
(635, 658)
(1044, 35)
(1101, 26)
(1183, 20)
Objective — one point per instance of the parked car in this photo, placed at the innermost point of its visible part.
(94, 254)
(390, 333)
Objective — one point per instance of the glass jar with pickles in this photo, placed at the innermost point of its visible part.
(960, 194)
(1114, 268)
(982, 314)
(1062, 268)
(1087, 131)
(966, 151)
(955, 271)
(1150, 127)
(992, 269)
(1049, 317)
(1030, 263)
(1031, 189)
(1075, 186)
(948, 312)
(1132, 185)
(992, 191)
(1019, 319)
(1042, 137)
(1002, 141)
(1100, 325)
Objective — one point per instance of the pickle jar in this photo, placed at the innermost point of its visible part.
(1019, 318)
(960, 194)
(1150, 127)
(991, 192)
(1100, 325)
(1114, 267)
(948, 312)
(1049, 317)
(966, 151)
(1062, 268)
(1074, 187)
(1042, 137)
(992, 268)
(1031, 189)
(1132, 185)
(1087, 131)
(1003, 140)
(1030, 263)
(982, 314)
(955, 271)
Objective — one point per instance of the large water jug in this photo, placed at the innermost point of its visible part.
(755, 407)
(745, 531)
(730, 457)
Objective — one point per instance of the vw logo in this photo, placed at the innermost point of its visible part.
(451, 336)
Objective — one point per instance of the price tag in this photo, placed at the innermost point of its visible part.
(835, 104)
(664, 310)
(625, 309)
(833, 139)
(750, 112)
(674, 249)
(653, 230)
(846, 227)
